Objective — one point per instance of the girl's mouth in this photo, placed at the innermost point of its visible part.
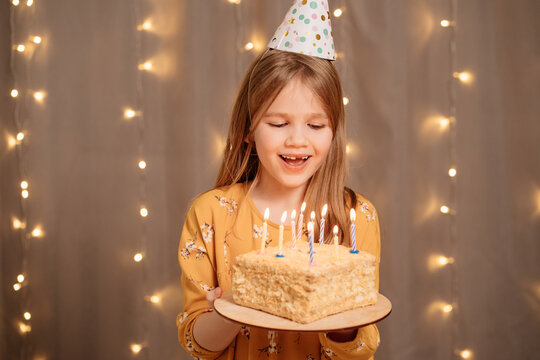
(294, 160)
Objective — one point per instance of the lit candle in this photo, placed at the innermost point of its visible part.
(280, 242)
(323, 214)
(353, 231)
(265, 228)
(293, 228)
(310, 236)
(336, 240)
(301, 221)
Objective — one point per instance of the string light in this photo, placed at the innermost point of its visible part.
(338, 12)
(29, 2)
(147, 25)
(444, 209)
(236, 2)
(15, 2)
(145, 66)
(17, 287)
(37, 232)
(27, 315)
(24, 184)
(443, 260)
(14, 93)
(18, 224)
(142, 164)
(20, 278)
(447, 308)
(25, 194)
(249, 46)
(464, 77)
(36, 40)
(24, 328)
(129, 113)
(138, 257)
(21, 48)
(465, 354)
(452, 172)
(446, 23)
(20, 136)
(154, 299)
(136, 348)
(39, 96)
(144, 212)
(345, 100)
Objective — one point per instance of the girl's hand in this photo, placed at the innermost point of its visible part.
(211, 296)
(343, 335)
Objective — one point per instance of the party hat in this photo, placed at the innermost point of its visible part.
(306, 29)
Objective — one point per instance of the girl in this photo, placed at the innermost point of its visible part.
(285, 146)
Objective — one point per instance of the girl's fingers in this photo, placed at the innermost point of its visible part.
(211, 296)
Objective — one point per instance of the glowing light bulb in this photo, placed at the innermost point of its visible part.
(25, 194)
(138, 257)
(347, 149)
(345, 100)
(129, 113)
(444, 122)
(147, 25)
(20, 278)
(20, 136)
(24, 184)
(452, 172)
(144, 212)
(443, 260)
(142, 164)
(15, 2)
(24, 328)
(21, 48)
(445, 23)
(249, 46)
(14, 93)
(136, 348)
(234, 1)
(37, 232)
(39, 96)
(11, 142)
(27, 315)
(445, 209)
(29, 2)
(36, 40)
(155, 299)
(464, 77)
(447, 308)
(465, 354)
(338, 12)
(146, 66)
(17, 287)
(17, 224)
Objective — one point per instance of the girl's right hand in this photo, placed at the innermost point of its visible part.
(212, 295)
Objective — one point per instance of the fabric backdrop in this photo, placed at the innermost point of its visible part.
(89, 299)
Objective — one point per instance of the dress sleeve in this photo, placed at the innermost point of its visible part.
(197, 261)
(367, 339)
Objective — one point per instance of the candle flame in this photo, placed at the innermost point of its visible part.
(336, 230)
(312, 215)
(324, 210)
(310, 226)
(353, 215)
(266, 214)
(293, 214)
(303, 207)
(284, 216)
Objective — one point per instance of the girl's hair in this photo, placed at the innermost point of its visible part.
(267, 76)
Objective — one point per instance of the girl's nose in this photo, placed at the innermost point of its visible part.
(296, 137)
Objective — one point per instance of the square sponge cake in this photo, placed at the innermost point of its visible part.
(292, 288)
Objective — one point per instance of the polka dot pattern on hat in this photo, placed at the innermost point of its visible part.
(306, 29)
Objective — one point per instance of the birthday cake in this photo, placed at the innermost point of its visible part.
(292, 288)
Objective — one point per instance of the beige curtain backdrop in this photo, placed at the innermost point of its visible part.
(79, 155)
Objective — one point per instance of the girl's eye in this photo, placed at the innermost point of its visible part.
(316, 126)
(278, 125)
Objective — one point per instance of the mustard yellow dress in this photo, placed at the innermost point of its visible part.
(223, 223)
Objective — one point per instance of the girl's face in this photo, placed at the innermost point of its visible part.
(293, 137)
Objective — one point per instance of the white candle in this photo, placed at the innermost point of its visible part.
(323, 214)
(301, 221)
(265, 229)
(353, 231)
(293, 228)
(336, 241)
(280, 242)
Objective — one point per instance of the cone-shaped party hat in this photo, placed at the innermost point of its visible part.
(306, 29)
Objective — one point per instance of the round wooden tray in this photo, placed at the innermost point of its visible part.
(227, 308)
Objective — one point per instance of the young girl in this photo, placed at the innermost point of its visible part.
(286, 146)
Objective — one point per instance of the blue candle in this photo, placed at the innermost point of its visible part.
(353, 232)
(310, 236)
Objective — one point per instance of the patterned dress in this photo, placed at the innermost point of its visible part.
(223, 223)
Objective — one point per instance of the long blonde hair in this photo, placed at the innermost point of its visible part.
(266, 77)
